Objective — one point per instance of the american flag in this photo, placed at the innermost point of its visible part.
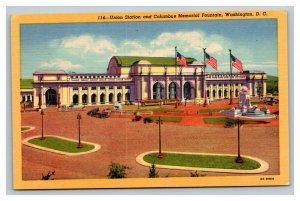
(211, 61)
(181, 59)
(236, 63)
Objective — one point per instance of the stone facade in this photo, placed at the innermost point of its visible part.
(141, 80)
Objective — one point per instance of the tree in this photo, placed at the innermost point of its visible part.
(152, 172)
(117, 170)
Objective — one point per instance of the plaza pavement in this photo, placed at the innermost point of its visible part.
(122, 141)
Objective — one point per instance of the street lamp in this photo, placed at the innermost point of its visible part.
(239, 159)
(159, 122)
(42, 114)
(79, 143)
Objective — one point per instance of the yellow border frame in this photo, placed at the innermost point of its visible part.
(253, 180)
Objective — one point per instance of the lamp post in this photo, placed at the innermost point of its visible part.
(42, 114)
(239, 159)
(79, 143)
(159, 122)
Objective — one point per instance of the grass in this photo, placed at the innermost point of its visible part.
(225, 120)
(168, 119)
(256, 102)
(155, 110)
(213, 110)
(61, 145)
(202, 161)
(26, 83)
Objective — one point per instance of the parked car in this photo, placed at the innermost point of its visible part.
(229, 124)
(147, 120)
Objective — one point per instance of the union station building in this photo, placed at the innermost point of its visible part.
(136, 80)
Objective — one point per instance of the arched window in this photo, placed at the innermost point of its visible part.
(119, 97)
(172, 90)
(207, 93)
(84, 99)
(102, 98)
(93, 98)
(111, 98)
(214, 93)
(75, 99)
(187, 91)
(51, 97)
(157, 91)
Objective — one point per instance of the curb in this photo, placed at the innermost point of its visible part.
(264, 165)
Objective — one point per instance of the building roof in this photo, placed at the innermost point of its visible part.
(127, 61)
(54, 72)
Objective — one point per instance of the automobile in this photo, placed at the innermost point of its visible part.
(137, 118)
(229, 124)
(272, 101)
(147, 120)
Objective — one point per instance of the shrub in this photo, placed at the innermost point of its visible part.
(117, 170)
(152, 172)
(196, 174)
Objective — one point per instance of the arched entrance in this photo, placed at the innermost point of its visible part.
(93, 98)
(172, 90)
(225, 93)
(119, 97)
(214, 94)
(127, 96)
(84, 99)
(236, 93)
(207, 93)
(111, 98)
(157, 91)
(220, 93)
(51, 97)
(187, 91)
(75, 99)
(102, 99)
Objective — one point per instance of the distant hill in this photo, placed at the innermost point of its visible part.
(272, 85)
(26, 83)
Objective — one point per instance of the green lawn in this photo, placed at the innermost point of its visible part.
(168, 119)
(213, 110)
(26, 83)
(225, 120)
(256, 102)
(202, 161)
(61, 145)
(154, 110)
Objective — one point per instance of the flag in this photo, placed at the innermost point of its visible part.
(181, 59)
(211, 61)
(236, 63)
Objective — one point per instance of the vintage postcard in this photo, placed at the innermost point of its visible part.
(154, 99)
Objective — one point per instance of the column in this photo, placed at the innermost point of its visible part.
(79, 95)
(211, 92)
(98, 95)
(167, 88)
(254, 89)
(106, 94)
(123, 94)
(234, 90)
(43, 98)
(70, 96)
(223, 91)
(265, 88)
(250, 89)
(89, 96)
(115, 94)
(217, 91)
(181, 89)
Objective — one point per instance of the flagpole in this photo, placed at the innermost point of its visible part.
(204, 79)
(230, 91)
(176, 104)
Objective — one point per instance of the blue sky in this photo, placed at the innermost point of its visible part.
(87, 47)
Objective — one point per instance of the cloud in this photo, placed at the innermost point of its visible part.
(60, 64)
(85, 44)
